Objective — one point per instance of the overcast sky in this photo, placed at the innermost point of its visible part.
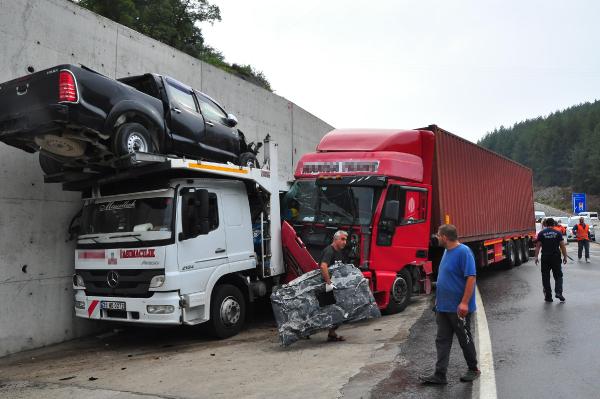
(468, 66)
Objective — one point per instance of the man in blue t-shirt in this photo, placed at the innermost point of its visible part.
(454, 306)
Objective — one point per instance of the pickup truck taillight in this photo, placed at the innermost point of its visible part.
(67, 88)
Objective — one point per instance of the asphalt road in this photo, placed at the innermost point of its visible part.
(545, 349)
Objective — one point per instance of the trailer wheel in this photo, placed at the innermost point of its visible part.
(524, 250)
(227, 311)
(509, 262)
(400, 293)
(50, 166)
(130, 138)
(518, 251)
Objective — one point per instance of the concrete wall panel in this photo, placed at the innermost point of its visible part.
(36, 302)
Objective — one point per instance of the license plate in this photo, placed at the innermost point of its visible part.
(112, 305)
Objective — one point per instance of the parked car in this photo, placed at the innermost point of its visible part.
(573, 220)
(77, 117)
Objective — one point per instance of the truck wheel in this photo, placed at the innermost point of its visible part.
(50, 166)
(509, 262)
(400, 293)
(517, 249)
(227, 311)
(130, 138)
(249, 159)
(524, 250)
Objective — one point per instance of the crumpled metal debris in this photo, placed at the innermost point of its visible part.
(302, 307)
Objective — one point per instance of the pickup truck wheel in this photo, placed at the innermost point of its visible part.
(400, 293)
(227, 311)
(50, 166)
(249, 159)
(130, 138)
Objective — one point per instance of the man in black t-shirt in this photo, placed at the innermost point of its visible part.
(552, 244)
(330, 255)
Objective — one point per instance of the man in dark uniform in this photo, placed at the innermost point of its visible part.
(551, 243)
(330, 255)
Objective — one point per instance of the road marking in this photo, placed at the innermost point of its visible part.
(487, 381)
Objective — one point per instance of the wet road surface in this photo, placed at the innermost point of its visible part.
(545, 349)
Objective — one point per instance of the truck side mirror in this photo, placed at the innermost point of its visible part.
(231, 120)
(391, 211)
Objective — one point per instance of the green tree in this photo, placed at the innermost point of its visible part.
(174, 22)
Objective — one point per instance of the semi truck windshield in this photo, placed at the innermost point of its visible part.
(334, 204)
(139, 219)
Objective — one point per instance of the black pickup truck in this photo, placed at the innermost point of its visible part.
(76, 117)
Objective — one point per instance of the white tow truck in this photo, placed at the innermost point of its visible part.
(173, 241)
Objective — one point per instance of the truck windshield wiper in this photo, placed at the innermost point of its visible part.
(136, 236)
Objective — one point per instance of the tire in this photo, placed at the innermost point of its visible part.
(50, 166)
(400, 293)
(524, 250)
(248, 159)
(227, 311)
(509, 262)
(518, 252)
(130, 138)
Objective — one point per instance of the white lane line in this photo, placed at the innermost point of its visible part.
(487, 381)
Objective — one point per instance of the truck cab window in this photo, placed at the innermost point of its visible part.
(181, 95)
(187, 210)
(413, 204)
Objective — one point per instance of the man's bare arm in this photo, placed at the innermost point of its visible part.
(468, 290)
(563, 249)
(325, 272)
(538, 246)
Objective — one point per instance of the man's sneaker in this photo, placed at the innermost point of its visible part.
(433, 379)
(470, 375)
(548, 298)
(559, 296)
(587, 260)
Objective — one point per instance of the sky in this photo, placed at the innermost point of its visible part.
(468, 66)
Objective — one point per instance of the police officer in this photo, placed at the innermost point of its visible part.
(552, 244)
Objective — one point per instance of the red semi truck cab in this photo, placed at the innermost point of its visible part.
(376, 185)
(392, 189)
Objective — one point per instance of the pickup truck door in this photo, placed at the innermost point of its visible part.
(186, 121)
(222, 138)
(203, 253)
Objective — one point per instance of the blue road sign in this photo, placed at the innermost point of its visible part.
(579, 204)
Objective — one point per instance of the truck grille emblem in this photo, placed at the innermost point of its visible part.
(112, 278)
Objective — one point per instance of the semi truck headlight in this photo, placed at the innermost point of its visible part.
(78, 281)
(79, 305)
(157, 281)
(160, 309)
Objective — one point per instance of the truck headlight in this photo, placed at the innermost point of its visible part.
(79, 305)
(78, 282)
(157, 281)
(160, 309)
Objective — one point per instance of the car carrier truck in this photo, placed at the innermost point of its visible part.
(392, 189)
(172, 241)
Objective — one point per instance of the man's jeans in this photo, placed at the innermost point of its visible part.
(555, 264)
(583, 244)
(448, 325)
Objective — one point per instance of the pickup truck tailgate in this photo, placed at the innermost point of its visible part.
(22, 95)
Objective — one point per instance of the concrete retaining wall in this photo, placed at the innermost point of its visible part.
(36, 261)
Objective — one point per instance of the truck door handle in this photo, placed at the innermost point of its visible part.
(22, 89)
(176, 110)
(209, 123)
(219, 250)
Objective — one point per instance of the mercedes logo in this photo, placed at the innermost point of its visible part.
(112, 278)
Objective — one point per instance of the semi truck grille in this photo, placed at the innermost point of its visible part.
(129, 283)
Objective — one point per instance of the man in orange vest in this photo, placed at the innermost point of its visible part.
(582, 232)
